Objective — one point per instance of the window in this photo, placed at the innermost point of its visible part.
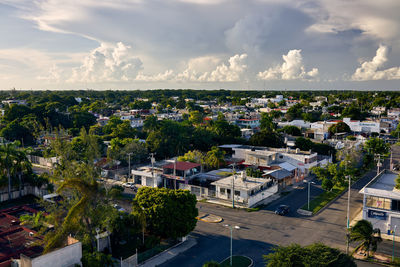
(378, 202)
(222, 191)
(237, 193)
(395, 205)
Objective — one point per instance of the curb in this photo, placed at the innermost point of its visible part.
(209, 221)
(167, 251)
(251, 260)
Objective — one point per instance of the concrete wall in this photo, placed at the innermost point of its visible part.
(27, 190)
(63, 257)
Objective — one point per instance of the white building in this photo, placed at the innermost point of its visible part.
(303, 161)
(363, 126)
(248, 123)
(394, 113)
(297, 123)
(378, 110)
(381, 204)
(246, 191)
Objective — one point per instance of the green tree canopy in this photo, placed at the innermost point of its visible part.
(292, 130)
(364, 232)
(340, 127)
(169, 213)
(377, 146)
(313, 255)
(266, 139)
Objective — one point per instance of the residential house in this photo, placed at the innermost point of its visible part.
(245, 191)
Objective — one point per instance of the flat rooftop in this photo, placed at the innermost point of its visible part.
(383, 185)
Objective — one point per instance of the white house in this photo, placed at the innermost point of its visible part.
(246, 191)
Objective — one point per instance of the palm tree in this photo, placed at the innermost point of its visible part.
(87, 189)
(364, 232)
(21, 165)
(8, 157)
(215, 157)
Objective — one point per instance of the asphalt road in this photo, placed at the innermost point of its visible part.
(260, 231)
(297, 198)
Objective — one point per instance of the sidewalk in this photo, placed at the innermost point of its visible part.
(169, 253)
(383, 235)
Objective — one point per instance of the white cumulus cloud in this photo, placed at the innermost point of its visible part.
(371, 70)
(108, 63)
(291, 69)
(204, 69)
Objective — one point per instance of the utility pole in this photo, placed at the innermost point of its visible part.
(348, 216)
(394, 236)
(129, 163)
(152, 168)
(233, 186)
(175, 174)
(379, 163)
(391, 161)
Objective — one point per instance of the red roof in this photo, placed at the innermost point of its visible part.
(182, 165)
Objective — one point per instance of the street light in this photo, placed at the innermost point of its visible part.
(308, 202)
(394, 234)
(348, 215)
(230, 227)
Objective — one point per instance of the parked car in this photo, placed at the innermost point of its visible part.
(129, 185)
(119, 208)
(282, 210)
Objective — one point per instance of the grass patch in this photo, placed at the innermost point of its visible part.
(224, 174)
(323, 199)
(237, 261)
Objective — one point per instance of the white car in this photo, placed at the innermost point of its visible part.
(119, 208)
(129, 185)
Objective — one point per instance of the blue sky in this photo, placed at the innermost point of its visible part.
(200, 44)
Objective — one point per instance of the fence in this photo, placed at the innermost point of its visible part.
(131, 261)
(26, 190)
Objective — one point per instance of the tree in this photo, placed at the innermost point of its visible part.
(304, 144)
(215, 158)
(266, 139)
(292, 130)
(170, 139)
(169, 213)
(83, 119)
(151, 123)
(267, 124)
(364, 232)
(353, 112)
(16, 131)
(82, 181)
(316, 254)
(225, 132)
(377, 146)
(8, 156)
(194, 156)
(196, 117)
(340, 127)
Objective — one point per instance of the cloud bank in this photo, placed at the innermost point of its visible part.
(291, 69)
(372, 70)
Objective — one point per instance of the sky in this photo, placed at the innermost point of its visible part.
(200, 44)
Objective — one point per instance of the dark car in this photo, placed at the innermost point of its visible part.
(282, 210)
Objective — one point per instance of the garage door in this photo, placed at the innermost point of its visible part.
(395, 221)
